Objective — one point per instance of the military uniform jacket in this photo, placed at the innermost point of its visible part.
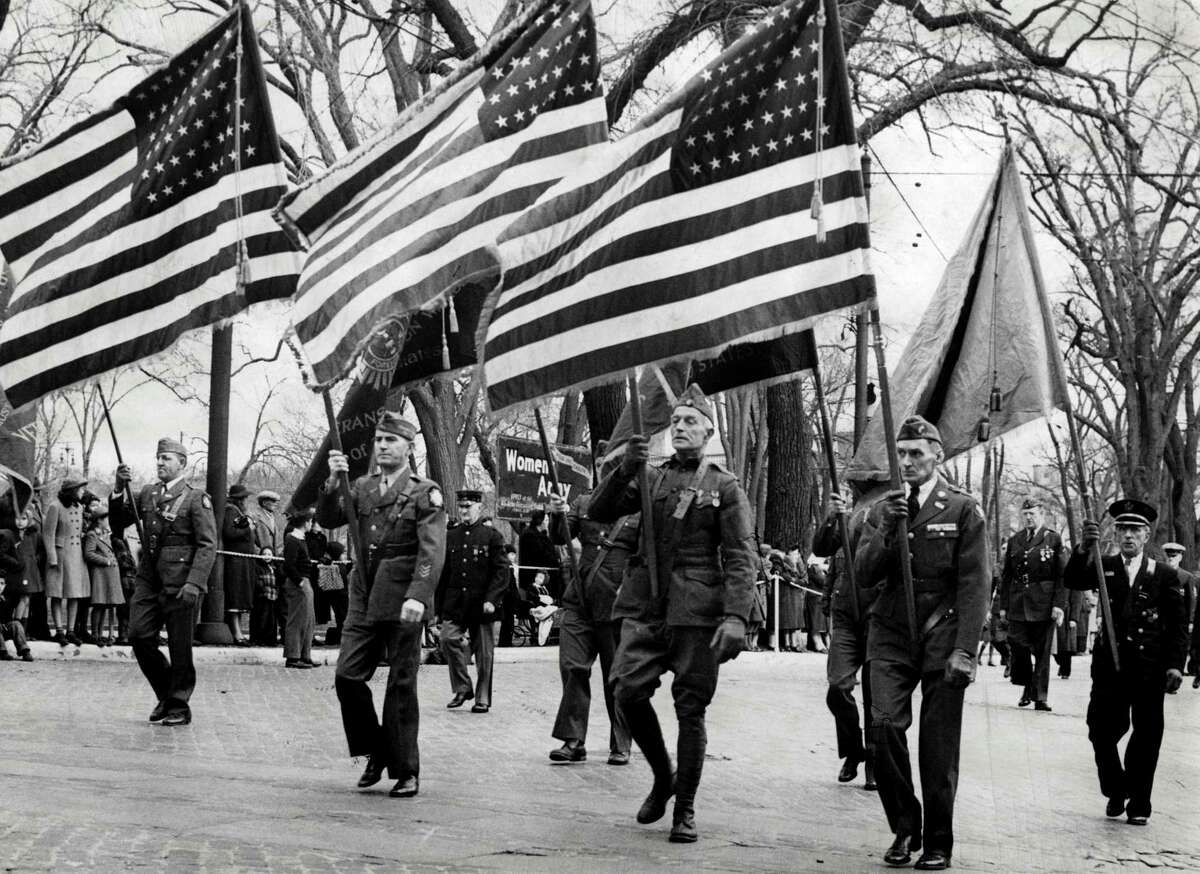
(827, 543)
(1150, 618)
(606, 551)
(950, 564)
(707, 565)
(180, 530)
(476, 570)
(404, 534)
(1031, 581)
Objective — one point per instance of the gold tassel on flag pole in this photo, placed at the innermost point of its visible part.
(445, 340)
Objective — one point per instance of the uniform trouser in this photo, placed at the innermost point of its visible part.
(458, 654)
(579, 643)
(364, 644)
(892, 685)
(149, 612)
(301, 620)
(1064, 663)
(848, 653)
(1032, 640)
(646, 651)
(1116, 703)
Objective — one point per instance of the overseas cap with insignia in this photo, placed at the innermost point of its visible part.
(695, 399)
(1130, 511)
(1174, 548)
(473, 495)
(1030, 504)
(166, 444)
(917, 428)
(394, 423)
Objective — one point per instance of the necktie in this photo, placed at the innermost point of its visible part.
(1129, 569)
(914, 505)
(384, 485)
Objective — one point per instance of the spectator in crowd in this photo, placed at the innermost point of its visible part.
(38, 623)
(105, 578)
(31, 579)
(816, 609)
(515, 606)
(127, 565)
(297, 592)
(337, 598)
(241, 573)
(1067, 633)
(264, 615)
(790, 600)
(1174, 555)
(12, 576)
(995, 635)
(537, 551)
(318, 544)
(66, 572)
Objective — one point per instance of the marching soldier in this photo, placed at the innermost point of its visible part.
(469, 597)
(180, 548)
(401, 522)
(1033, 600)
(588, 629)
(704, 543)
(1150, 622)
(848, 645)
(951, 573)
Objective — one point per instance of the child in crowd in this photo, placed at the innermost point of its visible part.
(106, 578)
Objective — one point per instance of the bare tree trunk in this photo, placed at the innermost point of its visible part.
(604, 404)
(790, 472)
(568, 416)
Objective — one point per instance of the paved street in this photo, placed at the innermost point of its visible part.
(260, 781)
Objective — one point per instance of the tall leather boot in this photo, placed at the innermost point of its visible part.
(692, 742)
(647, 734)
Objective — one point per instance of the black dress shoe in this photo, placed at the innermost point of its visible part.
(683, 829)
(1043, 706)
(1115, 807)
(159, 711)
(73, 639)
(849, 770)
(870, 784)
(616, 757)
(405, 788)
(570, 751)
(459, 699)
(177, 718)
(298, 663)
(933, 860)
(1137, 820)
(655, 805)
(373, 773)
(1024, 702)
(26, 656)
(900, 852)
(480, 708)
(1196, 682)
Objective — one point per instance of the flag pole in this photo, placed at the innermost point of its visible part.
(537, 414)
(1085, 501)
(649, 549)
(831, 463)
(137, 520)
(889, 432)
(335, 440)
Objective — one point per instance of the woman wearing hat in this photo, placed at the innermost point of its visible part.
(66, 573)
(237, 536)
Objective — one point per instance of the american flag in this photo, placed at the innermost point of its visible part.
(694, 231)
(396, 226)
(123, 232)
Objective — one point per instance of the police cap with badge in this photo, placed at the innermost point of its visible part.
(1130, 511)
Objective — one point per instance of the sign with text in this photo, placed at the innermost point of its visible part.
(523, 482)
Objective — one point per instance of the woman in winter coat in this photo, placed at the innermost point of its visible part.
(66, 576)
(241, 573)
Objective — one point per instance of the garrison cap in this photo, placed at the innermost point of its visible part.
(394, 423)
(166, 444)
(917, 428)
(267, 495)
(695, 399)
(1130, 511)
(473, 495)
(1030, 504)
(1170, 548)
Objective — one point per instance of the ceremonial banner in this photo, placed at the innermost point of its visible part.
(397, 225)
(988, 324)
(123, 232)
(523, 476)
(696, 230)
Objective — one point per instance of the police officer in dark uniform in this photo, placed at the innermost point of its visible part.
(1033, 600)
(951, 570)
(180, 548)
(1148, 611)
(704, 542)
(848, 644)
(469, 597)
(588, 629)
(401, 520)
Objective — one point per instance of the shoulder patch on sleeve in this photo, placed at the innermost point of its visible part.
(206, 500)
(435, 498)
